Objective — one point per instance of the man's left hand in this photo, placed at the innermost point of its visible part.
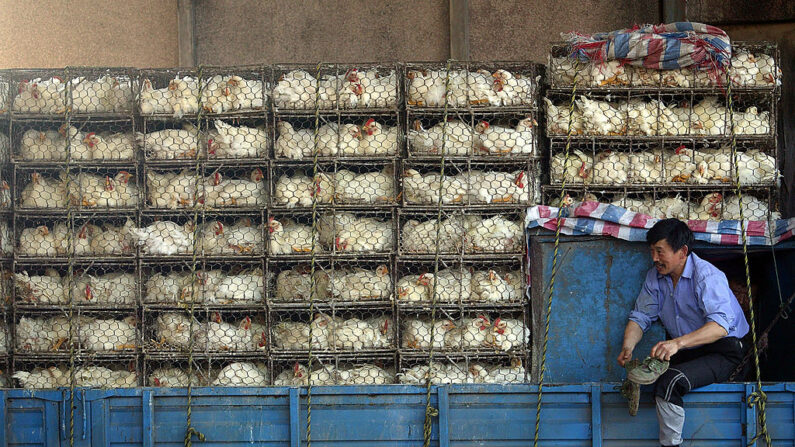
(664, 350)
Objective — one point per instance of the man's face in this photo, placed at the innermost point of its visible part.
(666, 260)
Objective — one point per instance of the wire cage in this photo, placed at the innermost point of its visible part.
(339, 284)
(101, 92)
(80, 141)
(464, 368)
(92, 286)
(212, 285)
(213, 91)
(90, 371)
(714, 203)
(335, 370)
(472, 185)
(496, 284)
(365, 185)
(361, 137)
(222, 332)
(754, 66)
(369, 88)
(352, 331)
(467, 234)
(465, 136)
(471, 85)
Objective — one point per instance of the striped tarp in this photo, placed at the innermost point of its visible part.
(594, 218)
(667, 46)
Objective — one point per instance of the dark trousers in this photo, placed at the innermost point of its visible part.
(693, 368)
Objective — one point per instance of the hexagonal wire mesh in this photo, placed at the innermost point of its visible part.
(753, 66)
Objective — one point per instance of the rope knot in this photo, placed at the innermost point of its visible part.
(189, 433)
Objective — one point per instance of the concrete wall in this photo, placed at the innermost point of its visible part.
(361, 30)
(57, 33)
(254, 32)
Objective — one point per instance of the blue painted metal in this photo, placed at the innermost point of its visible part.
(572, 415)
(598, 280)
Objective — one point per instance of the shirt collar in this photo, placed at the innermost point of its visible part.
(688, 271)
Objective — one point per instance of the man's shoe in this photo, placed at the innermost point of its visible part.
(631, 391)
(648, 371)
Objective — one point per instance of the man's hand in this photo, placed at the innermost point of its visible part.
(664, 350)
(625, 355)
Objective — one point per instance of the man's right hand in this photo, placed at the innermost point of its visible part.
(624, 356)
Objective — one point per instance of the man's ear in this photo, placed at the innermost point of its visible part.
(686, 250)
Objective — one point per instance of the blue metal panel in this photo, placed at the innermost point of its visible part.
(598, 280)
(572, 415)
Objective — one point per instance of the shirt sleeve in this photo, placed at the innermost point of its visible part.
(647, 306)
(714, 299)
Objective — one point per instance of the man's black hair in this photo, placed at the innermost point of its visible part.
(674, 231)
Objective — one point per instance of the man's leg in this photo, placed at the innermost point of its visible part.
(679, 380)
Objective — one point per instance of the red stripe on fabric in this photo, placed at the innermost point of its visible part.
(611, 229)
(729, 239)
(656, 49)
(756, 227)
(586, 209)
(699, 226)
(639, 220)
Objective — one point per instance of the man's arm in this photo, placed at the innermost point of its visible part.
(632, 335)
(706, 334)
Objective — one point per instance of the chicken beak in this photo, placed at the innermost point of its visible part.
(44, 230)
(492, 276)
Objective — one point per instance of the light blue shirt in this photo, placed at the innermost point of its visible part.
(702, 294)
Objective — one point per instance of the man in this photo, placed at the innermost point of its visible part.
(704, 321)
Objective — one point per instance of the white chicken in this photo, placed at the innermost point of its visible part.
(164, 238)
(491, 287)
(111, 146)
(646, 167)
(416, 334)
(378, 140)
(112, 240)
(610, 168)
(414, 288)
(454, 137)
(513, 89)
(420, 237)
(292, 143)
(427, 88)
(290, 238)
(42, 145)
(565, 69)
(710, 207)
(155, 100)
(468, 334)
(38, 241)
(242, 374)
(501, 187)
(499, 140)
(246, 193)
(751, 122)
(238, 142)
(365, 188)
(351, 233)
(44, 192)
(334, 139)
(223, 336)
(109, 335)
(173, 377)
(41, 289)
(610, 72)
(298, 375)
(101, 377)
(295, 90)
(601, 117)
(450, 285)
(378, 89)
(507, 374)
(104, 95)
(245, 287)
(709, 117)
(166, 288)
(43, 378)
(295, 285)
(752, 209)
(244, 238)
(424, 189)
(494, 234)
(578, 168)
(355, 334)
(560, 115)
(111, 288)
(300, 190)
(365, 374)
(174, 329)
(756, 167)
(361, 284)
(170, 144)
(41, 96)
(292, 336)
(508, 334)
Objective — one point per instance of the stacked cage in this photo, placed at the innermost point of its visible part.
(470, 171)
(73, 187)
(332, 223)
(667, 143)
(204, 140)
